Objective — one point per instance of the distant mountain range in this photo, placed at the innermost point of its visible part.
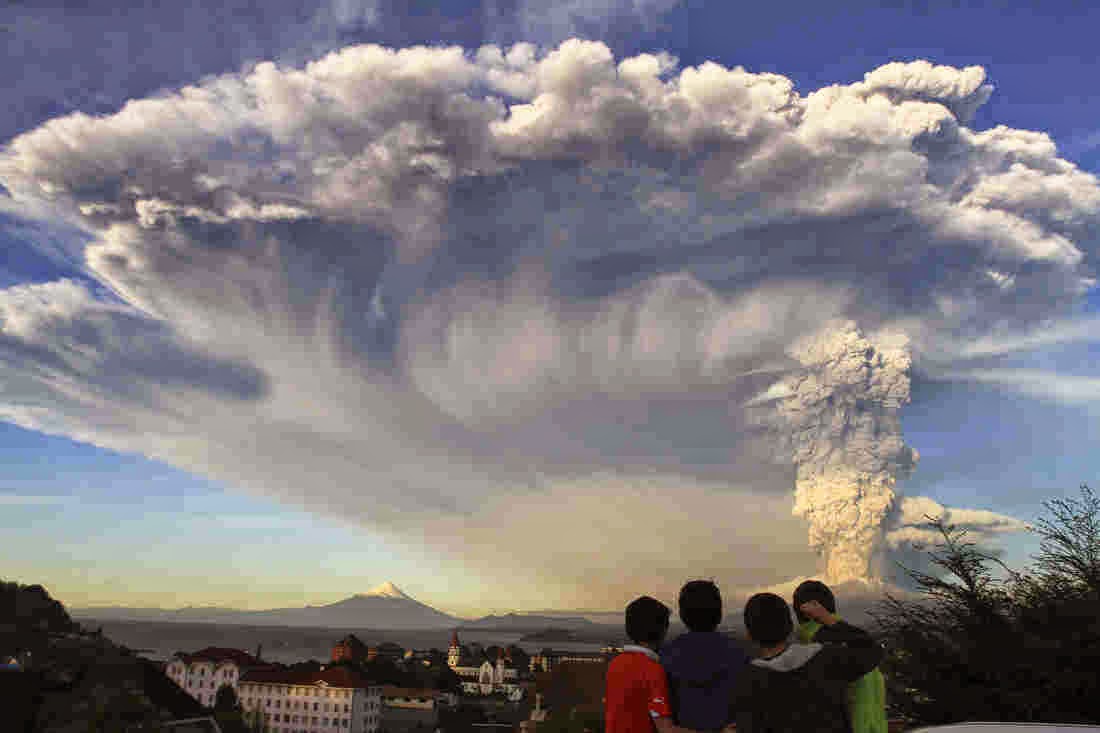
(387, 607)
(384, 607)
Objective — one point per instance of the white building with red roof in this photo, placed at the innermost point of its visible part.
(201, 674)
(311, 701)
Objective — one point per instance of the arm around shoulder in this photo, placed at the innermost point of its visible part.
(852, 652)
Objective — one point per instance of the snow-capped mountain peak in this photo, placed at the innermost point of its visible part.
(387, 590)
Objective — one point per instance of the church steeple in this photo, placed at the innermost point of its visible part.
(454, 651)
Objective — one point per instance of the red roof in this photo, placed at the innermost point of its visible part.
(395, 691)
(332, 676)
(221, 654)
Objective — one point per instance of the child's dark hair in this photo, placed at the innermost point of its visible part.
(768, 619)
(813, 590)
(700, 605)
(647, 620)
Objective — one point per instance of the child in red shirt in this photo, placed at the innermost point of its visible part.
(637, 689)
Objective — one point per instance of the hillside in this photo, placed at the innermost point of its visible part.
(72, 681)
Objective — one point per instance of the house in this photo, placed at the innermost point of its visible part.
(386, 650)
(547, 659)
(410, 698)
(350, 648)
(410, 708)
(330, 699)
(201, 673)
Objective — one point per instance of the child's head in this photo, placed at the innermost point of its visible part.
(700, 605)
(647, 621)
(768, 619)
(813, 590)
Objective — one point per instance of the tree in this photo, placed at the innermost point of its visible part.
(520, 658)
(254, 721)
(572, 721)
(123, 710)
(1025, 647)
(447, 680)
(225, 699)
(30, 608)
(227, 711)
(1069, 550)
(460, 719)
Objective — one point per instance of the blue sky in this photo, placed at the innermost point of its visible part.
(101, 527)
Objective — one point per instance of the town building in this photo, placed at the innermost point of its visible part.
(410, 709)
(386, 650)
(306, 701)
(547, 659)
(489, 678)
(454, 651)
(201, 674)
(349, 649)
(410, 698)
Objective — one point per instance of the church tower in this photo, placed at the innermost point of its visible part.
(454, 651)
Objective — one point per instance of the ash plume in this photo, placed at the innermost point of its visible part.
(461, 283)
(839, 415)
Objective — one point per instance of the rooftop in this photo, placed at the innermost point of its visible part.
(332, 676)
(218, 655)
(395, 691)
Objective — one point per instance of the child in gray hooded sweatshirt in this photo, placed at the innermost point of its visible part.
(801, 687)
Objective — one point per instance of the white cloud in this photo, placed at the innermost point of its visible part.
(1056, 333)
(1065, 388)
(13, 499)
(416, 287)
(553, 22)
(911, 523)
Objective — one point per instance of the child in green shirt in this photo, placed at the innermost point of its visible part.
(867, 695)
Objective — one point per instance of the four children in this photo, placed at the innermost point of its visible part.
(704, 681)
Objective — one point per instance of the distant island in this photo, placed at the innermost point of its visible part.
(532, 623)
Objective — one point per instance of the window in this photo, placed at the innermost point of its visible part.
(316, 706)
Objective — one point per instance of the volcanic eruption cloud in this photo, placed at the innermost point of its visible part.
(544, 309)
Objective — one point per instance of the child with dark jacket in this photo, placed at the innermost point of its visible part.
(702, 664)
(799, 687)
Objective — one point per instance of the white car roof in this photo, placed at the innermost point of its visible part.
(1008, 728)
